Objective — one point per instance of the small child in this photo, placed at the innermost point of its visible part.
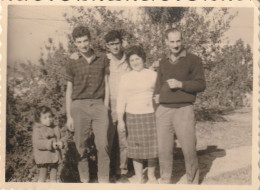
(46, 144)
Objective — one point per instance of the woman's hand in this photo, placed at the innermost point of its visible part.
(121, 126)
(156, 98)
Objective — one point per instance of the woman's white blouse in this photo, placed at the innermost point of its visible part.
(135, 92)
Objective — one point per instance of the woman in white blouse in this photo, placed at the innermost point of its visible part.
(135, 102)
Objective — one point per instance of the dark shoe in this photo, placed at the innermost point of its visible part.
(113, 179)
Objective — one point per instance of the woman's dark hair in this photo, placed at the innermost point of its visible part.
(135, 50)
(80, 31)
(41, 110)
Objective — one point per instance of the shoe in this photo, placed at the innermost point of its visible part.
(152, 181)
(123, 179)
(113, 179)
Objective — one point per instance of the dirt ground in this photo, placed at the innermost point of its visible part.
(213, 140)
(235, 132)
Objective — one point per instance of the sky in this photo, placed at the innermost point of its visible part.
(29, 27)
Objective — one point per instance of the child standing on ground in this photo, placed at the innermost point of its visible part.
(46, 144)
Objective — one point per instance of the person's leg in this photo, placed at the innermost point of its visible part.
(83, 169)
(138, 166)
(82, 131)
(151, 170)
(100, 129)
(121, 148)
(184, 123)
(165, 134)
(53, 172)
(113, 149)
(43, 174)
(123, 151)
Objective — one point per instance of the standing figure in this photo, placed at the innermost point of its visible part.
(47, 144)
(117, 67)
(135, 100)
(85, 98)
(180, 77)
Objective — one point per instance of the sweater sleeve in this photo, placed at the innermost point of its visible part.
(159, 80)
(39, 142)
(121, 97)
(197, 82)
(57, 133)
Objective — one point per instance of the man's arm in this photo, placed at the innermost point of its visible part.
(198, 83)
(121, 103)
(68, 106)
(107, 91)
(158, 85)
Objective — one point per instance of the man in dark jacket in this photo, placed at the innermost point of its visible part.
(180, 78)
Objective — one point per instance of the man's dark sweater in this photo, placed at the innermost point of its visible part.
(187, 69)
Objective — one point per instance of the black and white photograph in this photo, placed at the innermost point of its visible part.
(170, 101)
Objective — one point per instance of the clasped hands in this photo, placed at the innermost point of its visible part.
(173, 83)
(58, 145)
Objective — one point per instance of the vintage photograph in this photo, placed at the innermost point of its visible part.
(140, 94)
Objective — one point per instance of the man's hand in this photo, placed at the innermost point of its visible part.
(74, 56)
(173, 83)
(156, 98)
(69, 124)
(121, 126)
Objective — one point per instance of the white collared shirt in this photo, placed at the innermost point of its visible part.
(117, 68)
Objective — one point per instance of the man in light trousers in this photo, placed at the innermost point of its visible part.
(180, 78)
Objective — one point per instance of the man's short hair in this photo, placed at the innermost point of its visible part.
(172, 30)
(41, 110)
(80, 31)
(135, 50)
(113, 35)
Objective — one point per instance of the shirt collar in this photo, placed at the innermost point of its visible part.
(94, 56)
(182, 54)
(113, 58)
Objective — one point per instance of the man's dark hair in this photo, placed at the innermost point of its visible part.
(113, 35)
(41, 110)
(135, 50)
(172, 30)
(80, 31)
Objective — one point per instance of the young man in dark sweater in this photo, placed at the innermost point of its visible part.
(180, 78)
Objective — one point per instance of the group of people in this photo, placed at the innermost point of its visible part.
(116, 93)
